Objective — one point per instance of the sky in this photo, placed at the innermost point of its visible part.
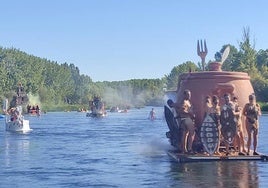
(116, 40)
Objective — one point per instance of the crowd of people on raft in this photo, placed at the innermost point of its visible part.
(35, 109)
(15, 114)
(97, 106)
(185, 118)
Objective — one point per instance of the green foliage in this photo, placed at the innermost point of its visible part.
(255, 64)
(264, 107)
(247, 55)
(62, 87)
(244, 59)
(51, 82)
(173, 78)
(133, 93)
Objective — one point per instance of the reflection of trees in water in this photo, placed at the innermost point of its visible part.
(216, 174)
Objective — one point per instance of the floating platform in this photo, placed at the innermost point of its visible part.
(199, 157)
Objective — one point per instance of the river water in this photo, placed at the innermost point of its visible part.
(68, 149)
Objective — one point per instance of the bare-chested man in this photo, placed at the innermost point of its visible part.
(186, 117)
(239, 138)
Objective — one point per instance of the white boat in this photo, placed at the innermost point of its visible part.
(15, 121)
(97, 108)
(19, 125)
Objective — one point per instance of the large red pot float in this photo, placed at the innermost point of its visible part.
(213, 82)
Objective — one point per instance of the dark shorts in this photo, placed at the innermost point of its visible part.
(187, 124)
(253, 127)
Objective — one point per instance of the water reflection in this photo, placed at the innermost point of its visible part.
(16, 146)
(216, 174)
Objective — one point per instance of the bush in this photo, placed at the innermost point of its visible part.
(264, 107)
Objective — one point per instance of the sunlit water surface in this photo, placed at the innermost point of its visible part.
(68, 149)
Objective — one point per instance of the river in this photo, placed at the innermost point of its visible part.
(68, 149)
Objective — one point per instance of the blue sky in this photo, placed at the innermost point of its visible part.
(116, 40)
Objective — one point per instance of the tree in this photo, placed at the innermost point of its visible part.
(173, 77)
(247, 55)
(262, 62)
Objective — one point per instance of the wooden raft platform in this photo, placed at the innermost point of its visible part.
(183, 158)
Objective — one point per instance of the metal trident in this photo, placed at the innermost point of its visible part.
(202, 52)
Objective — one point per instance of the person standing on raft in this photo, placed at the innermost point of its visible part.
(252, 111)
(186, 120)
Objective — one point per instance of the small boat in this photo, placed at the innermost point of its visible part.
(115, 109)
(33, 110)
(81, 110)
(97, 108)
(15, 121)
(19, 125)
(123, 111)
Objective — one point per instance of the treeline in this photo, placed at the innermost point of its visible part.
(51, 84)
(132, 93)
(54, 85)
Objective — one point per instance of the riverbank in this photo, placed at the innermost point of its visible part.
(78, 107)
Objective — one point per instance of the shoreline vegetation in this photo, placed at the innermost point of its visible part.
(79, 108)
(69, 108)
(264, 107)
(61, 87)
(83, 108)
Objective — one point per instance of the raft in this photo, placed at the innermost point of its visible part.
(199, 157)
